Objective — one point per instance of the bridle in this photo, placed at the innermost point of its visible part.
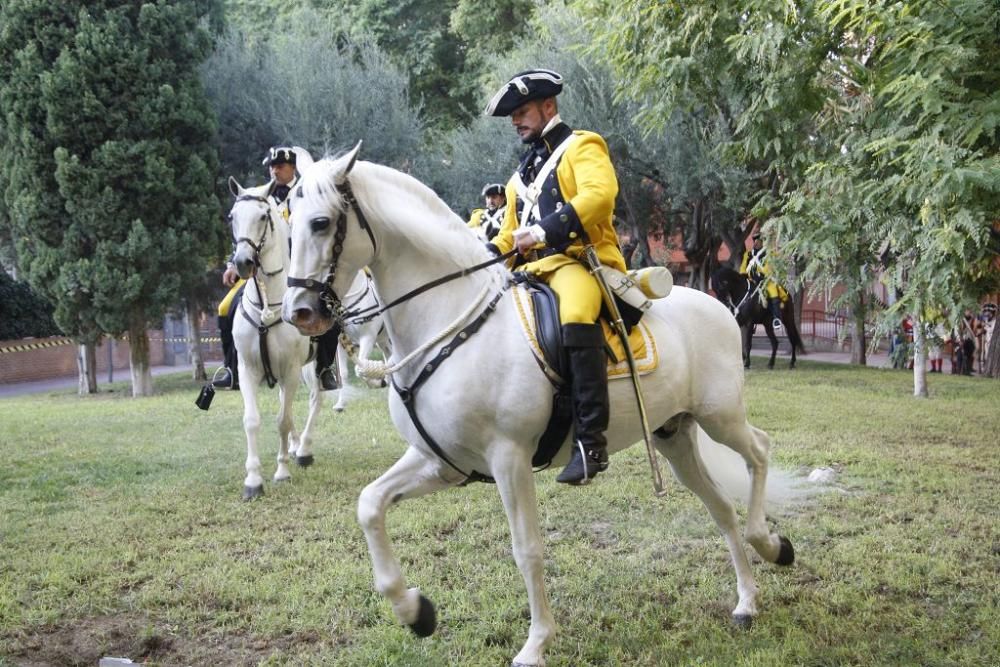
(340, 313)
(328, 297)
(735, 307)
(269, 227)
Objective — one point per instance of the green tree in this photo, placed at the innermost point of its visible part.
(110, 163)
(307, 87)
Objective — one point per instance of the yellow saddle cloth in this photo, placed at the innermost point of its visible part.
(640, 340)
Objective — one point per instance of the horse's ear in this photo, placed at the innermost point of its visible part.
(302, 158)
(235, 187)
(353, 155)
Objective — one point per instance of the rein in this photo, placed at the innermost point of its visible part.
(325, 287)
(340, 313)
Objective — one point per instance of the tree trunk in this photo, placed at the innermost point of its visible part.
(86, 365)
(919, 358)
(138, 342)
(993, 355)
(191, 316)
(859, 339)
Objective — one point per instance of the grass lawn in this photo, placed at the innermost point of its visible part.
(122, 533)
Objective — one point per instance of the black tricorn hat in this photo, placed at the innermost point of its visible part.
(493, 189)
(533, 84)
(279, 155)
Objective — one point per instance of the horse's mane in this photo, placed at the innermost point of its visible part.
(401, 202)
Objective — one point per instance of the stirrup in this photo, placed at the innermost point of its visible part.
(776, 323)
(590, 467)
(223, 384)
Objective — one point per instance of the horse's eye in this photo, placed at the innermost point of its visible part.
(229, 218)
(263, 218)
(319, 224)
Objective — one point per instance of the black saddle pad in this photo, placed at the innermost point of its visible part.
(548, 333)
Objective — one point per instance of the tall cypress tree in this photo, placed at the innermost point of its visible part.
(109, 161)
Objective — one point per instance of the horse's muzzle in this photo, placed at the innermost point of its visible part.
(304, 317)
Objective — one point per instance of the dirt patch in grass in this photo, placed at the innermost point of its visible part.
(82, 643)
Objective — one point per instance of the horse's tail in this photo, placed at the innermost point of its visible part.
(791, 328)
(728, 470)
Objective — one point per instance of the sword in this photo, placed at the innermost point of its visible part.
(619, 326)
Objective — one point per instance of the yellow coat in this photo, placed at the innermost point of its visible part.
(476, 218)
(587, 182)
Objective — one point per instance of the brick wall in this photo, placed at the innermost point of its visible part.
(49, 358)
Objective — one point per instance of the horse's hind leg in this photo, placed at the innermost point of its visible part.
(342, 368)
(411, 476)
(286, 395)
(677, 441)
(754, 446)
(303, 452)
(774, 342)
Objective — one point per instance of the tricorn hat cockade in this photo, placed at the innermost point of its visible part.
(532, 84)
(279, 155)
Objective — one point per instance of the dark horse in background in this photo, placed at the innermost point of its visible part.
(739, 294)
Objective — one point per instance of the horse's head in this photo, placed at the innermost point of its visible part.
(731, 288)
(252, 225)
(331, 242)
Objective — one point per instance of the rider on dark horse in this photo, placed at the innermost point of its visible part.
(756, 268)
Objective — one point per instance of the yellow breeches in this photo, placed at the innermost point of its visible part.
(227, 302)
(775, 291)
(579, 294)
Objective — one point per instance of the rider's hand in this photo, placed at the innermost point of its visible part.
(525, 240)
(229, 277)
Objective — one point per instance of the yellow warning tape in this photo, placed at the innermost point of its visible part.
(27, 347)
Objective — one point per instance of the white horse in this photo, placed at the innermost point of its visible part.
(281, 355)
(485, 402)
(366, 330)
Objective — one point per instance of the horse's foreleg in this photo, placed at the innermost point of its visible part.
(303, 453)
(680, 448)
(253, 485)
(411, 476)
(517, 489)
(286, 395)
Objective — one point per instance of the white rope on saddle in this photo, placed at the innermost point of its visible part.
(376, 369)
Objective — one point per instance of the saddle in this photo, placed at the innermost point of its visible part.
(538, 312)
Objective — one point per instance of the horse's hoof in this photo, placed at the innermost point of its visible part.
(304, 461)
(743, 621)
(279, 480)
(383, 384)
(251, 492)
(337, 409)
(786, 556)
(426, 619)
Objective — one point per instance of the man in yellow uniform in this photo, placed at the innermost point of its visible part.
(567, 186)
(486, 221)
(756, 268)
(280, 162)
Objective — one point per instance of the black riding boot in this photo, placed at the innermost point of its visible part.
(230, 378)
(326, 356)
(774, 306)
(588, 366)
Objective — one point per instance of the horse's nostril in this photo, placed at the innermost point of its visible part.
(302, 315)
